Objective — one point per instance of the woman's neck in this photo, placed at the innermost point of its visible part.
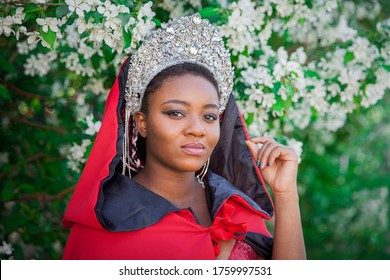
(175, 186)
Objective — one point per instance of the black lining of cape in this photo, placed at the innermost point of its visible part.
(262, 244)
(129, 206)
(122, 77)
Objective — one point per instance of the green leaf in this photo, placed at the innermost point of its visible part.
(309, 3)
(96, 16)
(278, 106)
(49, 36)
(276, 87)
(61, 11)
(124, 18)
(126, 38)
(7, 193)
(250, 119)
(27, 188)
(301, 21)
(4, 93)
(88, 15)
(6, 65)
(157, 22)
(31, 8)
(312, 74)
(349, 56)
(387, 67)
(290, 89)
(36, 105)
(88, 151)
(208, 12)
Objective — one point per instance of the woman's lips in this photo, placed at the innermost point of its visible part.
(196, 149)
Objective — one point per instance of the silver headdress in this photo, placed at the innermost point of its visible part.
(187, 39)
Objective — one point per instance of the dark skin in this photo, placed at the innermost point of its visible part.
(182, 111)
(181, 131)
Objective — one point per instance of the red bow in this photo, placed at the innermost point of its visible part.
(224, 229)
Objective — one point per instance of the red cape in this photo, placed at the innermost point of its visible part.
(91, 238)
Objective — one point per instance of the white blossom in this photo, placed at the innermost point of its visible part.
(93, 127)
(6, 249)
(300, 115)
(259, 75)
(268, 100)
(284, 8)
(96, 86)
(364, 52)
(296, 146)
(7, 23)
(244, 20)
(4, 158)
(144, 24)
(39, 64)
(23, 47)
(47, 23)
(79, 6)
(76, 156)
(34, 38)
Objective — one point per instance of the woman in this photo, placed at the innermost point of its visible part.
(161, 180)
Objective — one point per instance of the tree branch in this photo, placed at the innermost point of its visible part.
(59, 130)
(29, 159)
(43, 197)
(43, 126)
(25, 3)
(22, 92)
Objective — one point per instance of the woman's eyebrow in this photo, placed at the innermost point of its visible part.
(185, 103)
(176, 101)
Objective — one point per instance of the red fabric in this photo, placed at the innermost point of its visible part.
(242, 251)
(82, 204)
(176, 236)
(223, 228)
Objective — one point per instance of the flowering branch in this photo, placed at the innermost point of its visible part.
(43, 197)
(59, 130)
(15, 167)
(22, 92)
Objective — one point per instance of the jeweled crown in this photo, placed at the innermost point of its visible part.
(187, 39)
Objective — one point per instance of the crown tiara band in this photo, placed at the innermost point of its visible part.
(187, 39)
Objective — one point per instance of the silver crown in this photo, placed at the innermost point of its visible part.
(187, 39)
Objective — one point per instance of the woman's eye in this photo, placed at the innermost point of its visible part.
(210, 117)
(175, 114)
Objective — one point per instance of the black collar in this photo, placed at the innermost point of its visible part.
(125, 205)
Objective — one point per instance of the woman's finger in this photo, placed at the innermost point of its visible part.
(265, 152)
(253, 148)
(262, 139)
(274, 154)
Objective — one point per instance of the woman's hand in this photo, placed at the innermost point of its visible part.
(279, 168)
(278, 164)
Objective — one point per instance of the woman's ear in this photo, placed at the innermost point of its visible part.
(141, 123)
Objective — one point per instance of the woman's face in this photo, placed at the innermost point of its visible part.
(182, 125)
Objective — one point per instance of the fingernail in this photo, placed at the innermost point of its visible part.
(246, 142)
(258, 163)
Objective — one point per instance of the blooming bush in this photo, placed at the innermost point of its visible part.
(299, 66)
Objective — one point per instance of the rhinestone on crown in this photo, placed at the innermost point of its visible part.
(187, 39)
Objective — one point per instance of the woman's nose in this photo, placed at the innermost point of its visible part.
(195, 127)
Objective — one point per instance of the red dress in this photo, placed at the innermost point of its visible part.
(143, 225)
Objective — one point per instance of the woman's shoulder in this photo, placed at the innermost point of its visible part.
(222, 191)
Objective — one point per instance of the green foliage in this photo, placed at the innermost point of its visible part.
(344, 177)
(345, 188)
